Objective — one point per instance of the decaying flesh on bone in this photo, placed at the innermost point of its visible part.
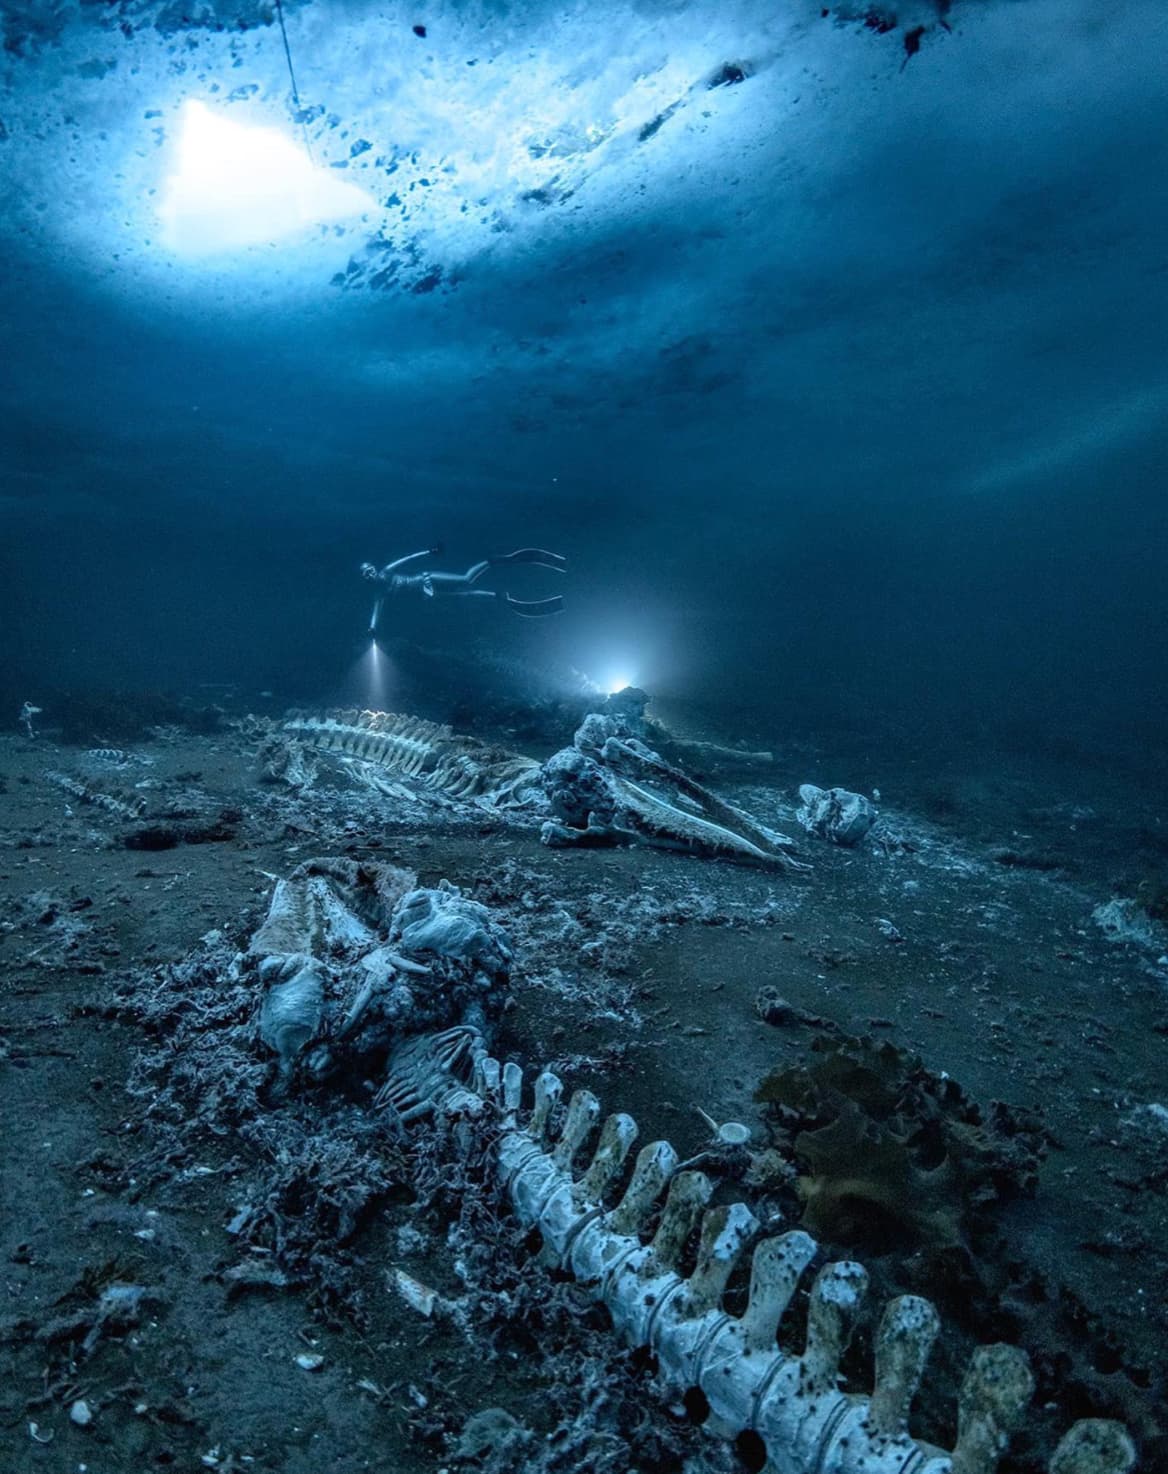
(352, 957)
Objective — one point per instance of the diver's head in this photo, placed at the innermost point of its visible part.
(368, 570)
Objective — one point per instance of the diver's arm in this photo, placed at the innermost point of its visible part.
(409, 558)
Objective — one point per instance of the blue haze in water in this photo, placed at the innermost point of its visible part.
(837, 371)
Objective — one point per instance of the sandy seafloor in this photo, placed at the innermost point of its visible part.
(636, 974)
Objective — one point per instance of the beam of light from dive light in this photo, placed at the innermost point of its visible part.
(371, 679)
(377, 675)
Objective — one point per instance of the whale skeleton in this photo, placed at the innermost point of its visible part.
(785, 1398)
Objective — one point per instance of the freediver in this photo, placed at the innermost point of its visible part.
(455, 585)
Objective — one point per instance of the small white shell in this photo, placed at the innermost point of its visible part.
(310, 1361)
(726, 1133)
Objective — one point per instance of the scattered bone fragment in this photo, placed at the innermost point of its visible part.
(726, 1133)
(253, 1275)
(417, 1296)
(1094, 1446)
(835, 814)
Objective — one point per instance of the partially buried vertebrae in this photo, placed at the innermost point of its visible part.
(786, 1400)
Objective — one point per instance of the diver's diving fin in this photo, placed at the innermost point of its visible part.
(535, 608)
(539, 556)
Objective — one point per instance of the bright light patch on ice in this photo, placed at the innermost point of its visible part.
(617, 683)
(237, 186)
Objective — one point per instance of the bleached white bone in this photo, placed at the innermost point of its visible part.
(489, 1078)
(726, 1231)
(84, 793)
(689, 1192)
(775, 1271)
(656, 1164)
(995, 1393)
(835, 1302)
(548, 1090)
(583, 1114)
(431, 755)
(689, 1316)
(908, 1328)
(512, 1088)
(1094, 1446)
(616, 1140)
(791, 1403)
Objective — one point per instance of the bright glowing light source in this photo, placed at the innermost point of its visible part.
(238, 186)
(617, 683)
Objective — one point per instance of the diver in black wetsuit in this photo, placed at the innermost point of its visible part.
(462, 584)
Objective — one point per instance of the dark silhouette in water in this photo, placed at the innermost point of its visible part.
(432, 584)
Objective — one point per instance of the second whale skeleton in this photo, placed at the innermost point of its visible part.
(425, 754)
(606, 789)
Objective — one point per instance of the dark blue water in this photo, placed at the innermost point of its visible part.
(859, 434)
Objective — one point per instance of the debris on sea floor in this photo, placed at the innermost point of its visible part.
(417, 1296)
(618, 966)
(835, 814)
(1127, 922)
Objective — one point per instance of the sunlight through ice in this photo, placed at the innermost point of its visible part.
(239, 186)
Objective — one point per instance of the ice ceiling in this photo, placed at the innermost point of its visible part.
(480, 132)
(650, 265)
